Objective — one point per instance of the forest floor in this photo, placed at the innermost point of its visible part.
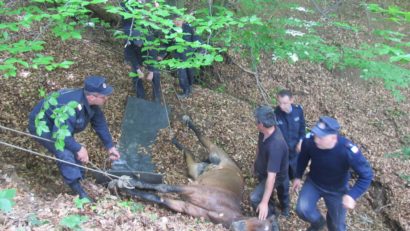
(368, 114)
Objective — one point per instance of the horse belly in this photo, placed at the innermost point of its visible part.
(224, 179)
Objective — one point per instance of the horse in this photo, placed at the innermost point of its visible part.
(215, 194)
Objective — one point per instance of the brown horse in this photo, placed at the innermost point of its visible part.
(215, 194)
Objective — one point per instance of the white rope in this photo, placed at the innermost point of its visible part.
(53, 158)
(166, 108)
(27, 134)
(123, 182)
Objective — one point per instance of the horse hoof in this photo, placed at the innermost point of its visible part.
(186, 119)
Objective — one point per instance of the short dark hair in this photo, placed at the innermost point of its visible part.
(175, 16)
(285, 92)
(266, 115)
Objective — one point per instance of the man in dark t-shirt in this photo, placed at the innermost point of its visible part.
(271, 164)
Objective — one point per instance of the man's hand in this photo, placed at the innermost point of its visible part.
(140, 73)
(296, 185)
(348, 202)
(298, 147)
(263, 210)
(114, 154)
(150, 76)
(82, 155)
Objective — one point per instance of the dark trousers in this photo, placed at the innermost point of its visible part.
(282, 191)
(186, 79)
(307, 210)
(293, 162)
(156, 86)
(69, 172)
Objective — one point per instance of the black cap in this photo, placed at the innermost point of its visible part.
(326, 126)
(96, 84)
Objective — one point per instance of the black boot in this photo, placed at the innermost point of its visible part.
(182, 96)
(286, 211)
(317, 225)
(77, 189)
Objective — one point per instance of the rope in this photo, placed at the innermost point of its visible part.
(166, 109)
(56, 159)
(122, 182)
(25, 133)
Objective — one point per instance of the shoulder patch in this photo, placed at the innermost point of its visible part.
(353, 148)
(299, 106)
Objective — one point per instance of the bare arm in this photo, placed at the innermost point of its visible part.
(263, 205)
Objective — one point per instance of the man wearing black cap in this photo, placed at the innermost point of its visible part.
(271, 164)
(135, 56)
(89, 99)
(331, 156)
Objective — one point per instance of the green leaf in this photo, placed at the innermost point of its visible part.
(6, 199)
(80, 202)
(6, 205)
(65, 64)
(219, 58)
(8, 193)
(59, 144)
(33, 220)
(400, 58)
(73, 221)
(53, 101)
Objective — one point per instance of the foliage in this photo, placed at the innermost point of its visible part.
(6, 199)
(154, 22)
(59, 114)
(395, 13)
(221, 88)
(24, 52)
(132, 206)
(67, 19)
(403, 153)
(73, 221)
(406, 178)
(79, 203)
(294, 38)
(33, 220)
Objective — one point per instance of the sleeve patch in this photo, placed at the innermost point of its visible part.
(79, 107)
(354, 149)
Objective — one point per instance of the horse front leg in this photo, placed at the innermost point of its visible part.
(164, 188)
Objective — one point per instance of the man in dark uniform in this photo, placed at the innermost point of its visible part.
(94, 94)
(135, 57)
(185, 75)
(271, 164)
(291, 122)
(331, 157)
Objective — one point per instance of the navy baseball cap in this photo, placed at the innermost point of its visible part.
(96, 84)
(326, 126)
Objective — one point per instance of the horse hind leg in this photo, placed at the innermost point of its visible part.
(194, 168)
(215, 153)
